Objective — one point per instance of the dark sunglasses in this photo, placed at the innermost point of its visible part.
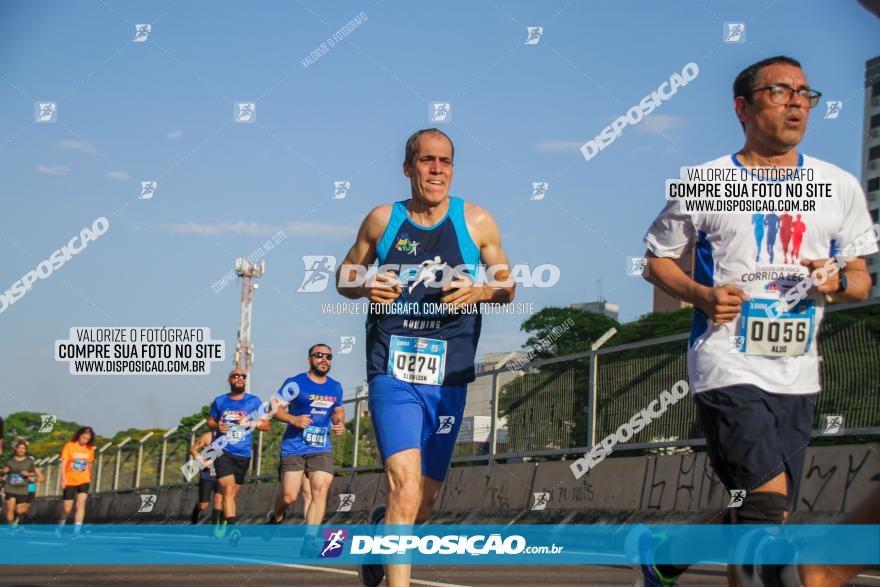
(237, 376)
(320, 355)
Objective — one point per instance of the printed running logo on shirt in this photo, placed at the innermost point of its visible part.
(322, 401)
(406, 245)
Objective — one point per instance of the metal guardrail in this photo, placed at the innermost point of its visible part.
(549, 407)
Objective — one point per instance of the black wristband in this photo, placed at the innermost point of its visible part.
(843, 283)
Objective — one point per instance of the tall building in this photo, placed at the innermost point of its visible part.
(871, 156)
(663, 302)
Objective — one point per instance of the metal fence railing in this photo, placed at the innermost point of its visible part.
(556, 406)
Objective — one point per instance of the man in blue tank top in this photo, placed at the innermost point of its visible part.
(423, 326)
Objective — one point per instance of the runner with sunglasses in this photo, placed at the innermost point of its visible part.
(306, 450)
(228, 416)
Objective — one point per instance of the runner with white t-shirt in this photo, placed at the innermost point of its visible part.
(755, 375)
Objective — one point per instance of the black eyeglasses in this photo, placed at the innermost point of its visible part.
(783, 93)
(320, 355)
(237, 376)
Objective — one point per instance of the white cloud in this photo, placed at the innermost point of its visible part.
(222, 228)
(556, 145)
(242, 228)
(659, 124)
(120, 175)
(53, 169)
(71, 145)
(319, 229)
(175, 135)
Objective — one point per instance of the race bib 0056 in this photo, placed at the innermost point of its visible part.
(790, 335)
(417, 360)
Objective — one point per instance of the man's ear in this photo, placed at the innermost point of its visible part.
(406, 168)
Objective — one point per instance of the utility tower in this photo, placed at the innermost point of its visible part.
(244, 352)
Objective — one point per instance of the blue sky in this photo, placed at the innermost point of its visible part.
(162, 110)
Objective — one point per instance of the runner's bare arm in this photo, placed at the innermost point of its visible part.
(39, 475)
(338, 419)
(500, 288)
(201, 442)
(858, 281)
(385, 289)
(217, 426)
(721, 303)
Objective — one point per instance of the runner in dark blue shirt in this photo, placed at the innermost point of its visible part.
(420, 355)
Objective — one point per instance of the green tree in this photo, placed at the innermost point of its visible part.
(584, 329)
(187, 422)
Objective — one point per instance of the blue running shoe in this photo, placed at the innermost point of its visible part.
(640, 546)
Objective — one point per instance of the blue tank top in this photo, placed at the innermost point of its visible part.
(415, 342)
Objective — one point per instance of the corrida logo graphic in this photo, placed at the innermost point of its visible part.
(790, 231)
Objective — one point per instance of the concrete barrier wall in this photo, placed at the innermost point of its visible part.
(834, 480)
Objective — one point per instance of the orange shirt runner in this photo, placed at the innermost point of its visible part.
(78, 463)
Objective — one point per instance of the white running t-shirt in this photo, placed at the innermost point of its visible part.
(760, 254)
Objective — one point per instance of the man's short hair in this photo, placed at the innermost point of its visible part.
(314, 346)
(412, 143)
(745, 81)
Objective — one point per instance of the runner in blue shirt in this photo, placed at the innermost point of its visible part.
(228, 416)
(305, 447)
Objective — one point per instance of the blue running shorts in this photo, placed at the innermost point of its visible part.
(411, 415)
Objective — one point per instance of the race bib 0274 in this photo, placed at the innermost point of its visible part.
(417, 360)
(789, 335)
